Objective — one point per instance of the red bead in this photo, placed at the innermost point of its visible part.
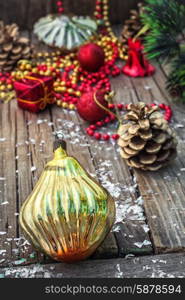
(93, 127)
(99, 123)
(97, 135)
(60, 9)
(106, 137)
(111, 106)
(59, 3)
(107, 120)
(120, 106)
(162, 106)
(112, 117)
(98, 9)
(115, 136)
(90, 132)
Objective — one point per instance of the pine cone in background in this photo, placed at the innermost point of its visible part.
(133, 25)
(146, 140)
(13, 47)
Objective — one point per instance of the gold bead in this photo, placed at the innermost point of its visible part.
(71, 91)
(56, 89)
(34, 70)
(72, 106)
(9, 86)
(59, 103)
(63, 89)
(78, 93)
(2, 87)
(55, 84)
(28, 66)
(65, 105)
(2, 94)
(22, 67)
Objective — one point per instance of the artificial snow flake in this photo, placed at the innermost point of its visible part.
(33, 169)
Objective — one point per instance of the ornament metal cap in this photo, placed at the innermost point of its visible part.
(59, 143)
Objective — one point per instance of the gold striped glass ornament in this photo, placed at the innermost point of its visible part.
(68, 214)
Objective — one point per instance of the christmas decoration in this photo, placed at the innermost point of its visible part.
(165, 40)
(114, 116)
(68, 214)
(137, 65)
(91, 130)
(70, 80)
(65, 32)
(146, 140)
(92, 105)
(91, 57)
(13, 47)
(75, 81)
(133, 25)
(34, 92)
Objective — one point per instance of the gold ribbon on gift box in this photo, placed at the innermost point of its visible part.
(47, 99)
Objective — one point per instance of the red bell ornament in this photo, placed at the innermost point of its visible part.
(91, 57)
(137, 65)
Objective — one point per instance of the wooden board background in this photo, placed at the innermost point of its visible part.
(26, 12)
(26, 141)
(159, 266)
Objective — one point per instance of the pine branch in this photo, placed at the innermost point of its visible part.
(166, 20)
(176, 78)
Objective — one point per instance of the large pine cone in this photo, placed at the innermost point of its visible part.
(133, 25)
(13, 47)
(146, 140)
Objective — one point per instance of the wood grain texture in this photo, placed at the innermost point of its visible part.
(158, 266)
(27, 12)
(26, 144)
(31, 147)
(163, 191)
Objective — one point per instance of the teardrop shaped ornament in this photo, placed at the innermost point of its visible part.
(68, 214)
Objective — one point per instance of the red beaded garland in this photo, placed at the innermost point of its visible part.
(91, 130)
(60, 7)
(86, 80)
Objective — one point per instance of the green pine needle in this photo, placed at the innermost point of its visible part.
(166, 38)
(166, 20)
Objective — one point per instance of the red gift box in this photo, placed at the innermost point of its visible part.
(34, 92)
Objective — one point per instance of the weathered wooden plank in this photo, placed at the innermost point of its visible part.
(15, 11)
(8, 183)
(27, 12)
(133, 236)
(157, 266)
(163, 191)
